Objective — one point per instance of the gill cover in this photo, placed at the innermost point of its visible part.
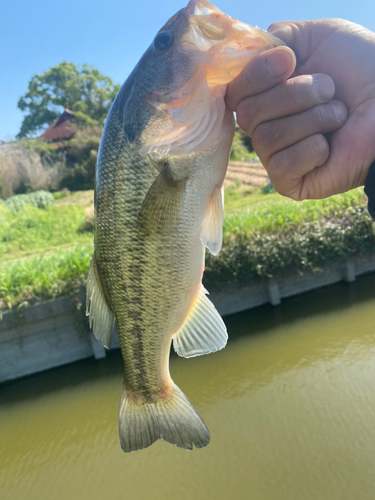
(198, 52)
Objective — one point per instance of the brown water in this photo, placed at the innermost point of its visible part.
(290, 404)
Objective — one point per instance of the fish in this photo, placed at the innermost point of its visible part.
(158, 205)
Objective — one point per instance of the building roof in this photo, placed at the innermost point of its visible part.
(61, 128)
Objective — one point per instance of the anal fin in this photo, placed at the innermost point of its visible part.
(101, 318)
(203, 331)
(212, 225)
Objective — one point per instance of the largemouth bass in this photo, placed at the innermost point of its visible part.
(158, 204)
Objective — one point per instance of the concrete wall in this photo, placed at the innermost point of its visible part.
(55, 333)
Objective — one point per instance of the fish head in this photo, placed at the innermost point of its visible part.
(228, 43)
(179, 84)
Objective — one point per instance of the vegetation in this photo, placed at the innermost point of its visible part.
(26, 229)
(80, 159)
(35, 164)
(38, 199)
(295, 248)
(44, 276)
(84, 90)
(46, 252)
(46, 240)
(242, 146)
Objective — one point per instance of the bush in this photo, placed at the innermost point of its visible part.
(29, 166)
(242, 145)
(301, 247)
(39, 199)
(35, 164)
(64, 193)
(80, 159)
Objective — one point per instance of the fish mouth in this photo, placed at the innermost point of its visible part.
(228, 44)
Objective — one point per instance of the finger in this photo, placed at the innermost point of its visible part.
(287, 168)
(276, 135)
(263, 72)
(288, 98)
(304, 37)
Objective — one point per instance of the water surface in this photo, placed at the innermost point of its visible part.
(290, 404)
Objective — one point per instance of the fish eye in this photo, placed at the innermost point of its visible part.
(163, 40)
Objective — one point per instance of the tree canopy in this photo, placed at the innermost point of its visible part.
(83, 89)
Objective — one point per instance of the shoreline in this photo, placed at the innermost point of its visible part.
(56, 332)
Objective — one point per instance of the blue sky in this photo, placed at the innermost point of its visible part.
(113, 34)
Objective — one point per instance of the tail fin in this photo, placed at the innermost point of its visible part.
(175, 420)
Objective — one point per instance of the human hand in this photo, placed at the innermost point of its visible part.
(314, 133)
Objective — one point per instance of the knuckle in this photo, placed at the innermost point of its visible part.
(244, 116)
(255, 74)
(277, 163)
(323, 116)
(296, 194)
(263, 135)
(283, 183)
(319, 147)
(300, 88)
(319, 114)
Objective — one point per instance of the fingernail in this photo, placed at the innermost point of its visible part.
(278, 63)
(340, 111)
(325, 87)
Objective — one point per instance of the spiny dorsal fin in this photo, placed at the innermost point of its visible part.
(212, 225)
(203, 331)
(101, 318)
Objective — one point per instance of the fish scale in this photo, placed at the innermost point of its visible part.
(158, 204)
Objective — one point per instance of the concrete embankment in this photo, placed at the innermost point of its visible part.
(56, 332)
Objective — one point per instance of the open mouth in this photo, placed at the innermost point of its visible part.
(212, 31)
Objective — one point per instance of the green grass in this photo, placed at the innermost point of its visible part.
(250, 210)
(32, 230)
(45, 254)
(297, 248)
(44, 276)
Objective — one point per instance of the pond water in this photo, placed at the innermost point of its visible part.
(290, 404)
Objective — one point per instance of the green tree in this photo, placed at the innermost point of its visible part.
(84, 90)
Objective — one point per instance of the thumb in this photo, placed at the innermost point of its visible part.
(303, 37)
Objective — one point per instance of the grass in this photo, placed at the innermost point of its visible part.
(250, 210)
(44, 276)
(46, 253)
(32, 230)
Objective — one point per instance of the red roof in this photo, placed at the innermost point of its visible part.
(61, 128)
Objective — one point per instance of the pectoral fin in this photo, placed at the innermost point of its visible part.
(160, 208)
(101, 318)
(203, 331)
(212, 225)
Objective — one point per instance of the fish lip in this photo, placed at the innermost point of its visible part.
(235, 31)
(249, 47)
(204, 6)
(244, 50)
